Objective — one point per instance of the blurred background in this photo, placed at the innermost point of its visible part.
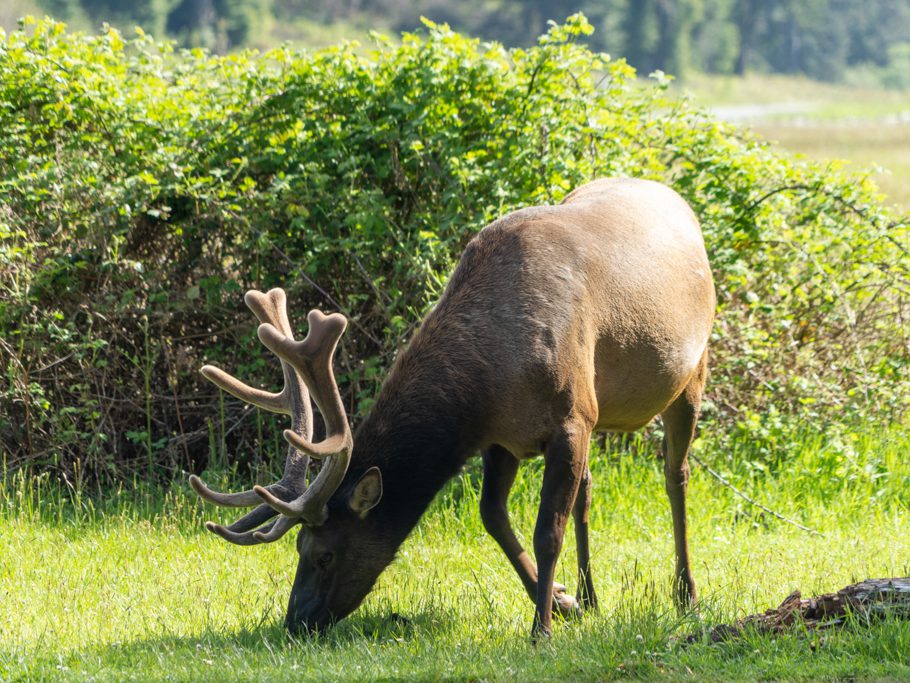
(829, 40)
(828, 78)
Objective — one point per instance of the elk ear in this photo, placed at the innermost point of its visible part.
(367, 493)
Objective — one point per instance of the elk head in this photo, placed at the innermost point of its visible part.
(341, 553)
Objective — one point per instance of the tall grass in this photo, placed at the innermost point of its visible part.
(130, 586)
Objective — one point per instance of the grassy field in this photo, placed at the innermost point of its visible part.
(131, 587)
(880, 149)
(807, 99)
(868, 128)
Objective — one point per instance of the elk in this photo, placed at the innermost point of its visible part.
(558, 321)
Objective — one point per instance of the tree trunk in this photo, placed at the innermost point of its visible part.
(746, 15)
(635, 31)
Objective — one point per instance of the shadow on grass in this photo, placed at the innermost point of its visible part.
(257, 647)
(370, 627)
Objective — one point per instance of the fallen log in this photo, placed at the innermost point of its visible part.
(872, 599)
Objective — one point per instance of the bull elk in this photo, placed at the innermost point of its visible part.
(592, 315)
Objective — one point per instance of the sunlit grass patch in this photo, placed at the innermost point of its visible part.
(96, 590)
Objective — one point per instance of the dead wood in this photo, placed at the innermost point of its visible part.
(870, 599)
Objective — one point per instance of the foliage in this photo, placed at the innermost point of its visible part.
(142, 190)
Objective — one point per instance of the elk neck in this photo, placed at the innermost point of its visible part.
(427, 420)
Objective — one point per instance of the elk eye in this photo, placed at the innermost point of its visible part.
(325, 560)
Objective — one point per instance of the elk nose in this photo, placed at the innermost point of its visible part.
(307, 615)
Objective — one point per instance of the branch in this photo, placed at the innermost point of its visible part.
(742, 495)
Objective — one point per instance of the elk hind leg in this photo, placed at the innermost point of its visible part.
(679, 429)
(586, 597)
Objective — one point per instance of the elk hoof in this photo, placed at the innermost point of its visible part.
(564, 604)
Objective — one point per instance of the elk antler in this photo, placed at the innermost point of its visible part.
(305, 364)
(312, 360)
(293, 400)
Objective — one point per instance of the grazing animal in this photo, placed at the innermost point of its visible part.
(558, 321)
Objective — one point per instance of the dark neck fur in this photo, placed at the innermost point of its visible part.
(426, 422)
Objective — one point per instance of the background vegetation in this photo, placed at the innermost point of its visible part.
(859, 40)
(866, 127)
(146, 189)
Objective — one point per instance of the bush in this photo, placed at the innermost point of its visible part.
(143, 190)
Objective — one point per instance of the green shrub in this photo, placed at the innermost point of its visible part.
(142, 190)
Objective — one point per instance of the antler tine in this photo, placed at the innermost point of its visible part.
(238, 538)
(274, 403)
(281, 526)
(294, 400)
(253, 520)
(266, 534)
(312, 359)
(231, 500)
(270, 308)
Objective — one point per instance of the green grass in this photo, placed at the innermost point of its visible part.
(131, 587)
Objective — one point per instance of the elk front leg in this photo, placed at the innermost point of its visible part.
(566, 459)
(586, 597)
(499, 470)
(679, 429)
